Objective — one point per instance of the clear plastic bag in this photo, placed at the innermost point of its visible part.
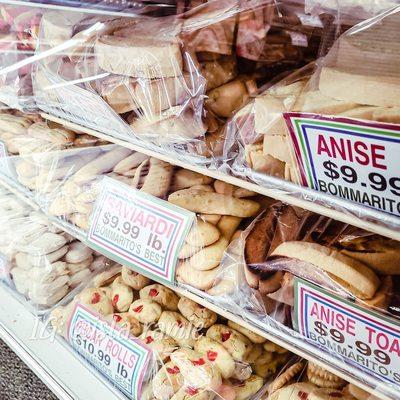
(195, 352)
(354, 86)
(170, 82)
(68, 183)
(287, 249)
(44, 263)
(300, 379)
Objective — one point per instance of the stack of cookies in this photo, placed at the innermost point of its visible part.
(69, 186)
(289, 241)
(198, 352)
(309, 381)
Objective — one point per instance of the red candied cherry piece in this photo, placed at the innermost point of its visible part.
(117, 318)
(225, 336)
(200, 361)
(192, 391)
(95, 298)
(149, 339)
(138, 309)
(179, 323)
(174, 370)
(153, 292)
(303, 395)
(212, 355)
(115, 300)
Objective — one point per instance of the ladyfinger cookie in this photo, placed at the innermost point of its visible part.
(214, 203)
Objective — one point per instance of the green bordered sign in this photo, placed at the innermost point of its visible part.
(355, 334)
(139, 230)
(352, 159)
(121, 358)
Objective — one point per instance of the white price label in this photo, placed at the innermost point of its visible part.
(120, 357)
(357, 335)
(139, 230)
(352, 159)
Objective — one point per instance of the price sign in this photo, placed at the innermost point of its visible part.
(139, 230)
(359, 336)
(118, 356)
(352, 159)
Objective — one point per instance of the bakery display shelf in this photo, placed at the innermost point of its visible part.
(296, 345)
(47, 356)
(281, 190)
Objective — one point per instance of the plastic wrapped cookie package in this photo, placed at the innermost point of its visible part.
(301, 380)
(353, 88)
(288, 245)
(67, 184)
(19, 35)
(195, 352)
(44, 263)
(173, 91)
(24, 134)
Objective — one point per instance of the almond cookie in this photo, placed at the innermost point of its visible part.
(145, 311)
(161, 295)
(97, 300)
(285, 377)
(121, 296)
(201, 317)
(356, 277)
(198, 372)
(248, 388)
(265, 365)
(178, 327)
(216, 354)
(167, 381)
(255, 352)
(257, 339)
(127, 322)
(159, 342)
(134, 279)
(237, 344)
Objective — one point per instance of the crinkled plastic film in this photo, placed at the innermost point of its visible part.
(195, 352)
(300, 379)
(286, 242)
(67, 183)
(357, 79)
(44, 262)
(169, 83)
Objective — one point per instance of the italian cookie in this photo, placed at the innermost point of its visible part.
(161, 295)
(96, 299)
(178, 327)
(216, 354)
(127, 322)
(248, 388)
(145, 311)
(238, 345)
(201, 317)
(134, 279)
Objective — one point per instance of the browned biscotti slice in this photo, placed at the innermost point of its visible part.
(355, 276)
(139, 57)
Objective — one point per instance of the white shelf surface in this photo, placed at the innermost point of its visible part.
(297, 345)
(49, 358)
(305, 197)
